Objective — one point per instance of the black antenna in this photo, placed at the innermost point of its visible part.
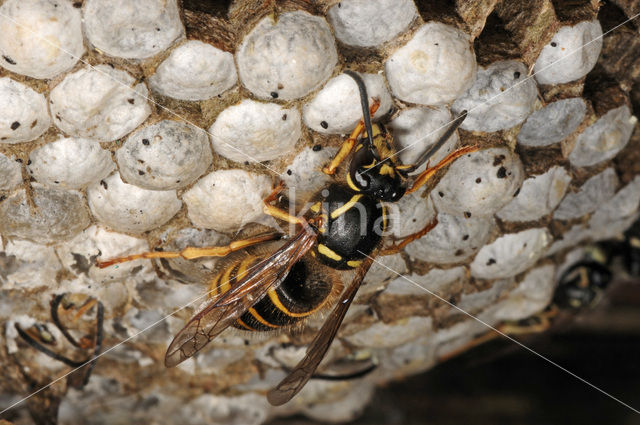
(441, 141)
(364, 101)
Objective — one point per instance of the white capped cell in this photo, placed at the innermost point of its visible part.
(593, 193)
(435, 67)
(571, 54)
(617, 214)
(287, 58)
(23, 112)
(531, 295)
(79, 255)
(437, 281)
(415, 130)
(382, 335)
(539, 195)
(336, 109)
(165, 155)
(304, 175)
(101, 102)
(572, 237)
(553, 123)
(411, 214)
(128, 208)
(384, 268)
(454, 239)
(368, 23)
(40, 38)
(603, 139)
(70, 163)
(132, 29)
(510, 254)
(501, 97)
(194, 71)
(10, 173)
(226, 200)
(255, 131)
(479, 183)
(59, 215)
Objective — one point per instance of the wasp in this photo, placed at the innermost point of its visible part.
(342, 230)
(73, 308)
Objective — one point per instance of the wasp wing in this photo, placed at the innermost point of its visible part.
(228, 307)
(298, 377)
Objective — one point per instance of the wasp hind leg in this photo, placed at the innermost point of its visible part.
(398, 246)
(190, 252)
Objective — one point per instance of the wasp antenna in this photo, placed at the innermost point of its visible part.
(441, 141)
(364, 101)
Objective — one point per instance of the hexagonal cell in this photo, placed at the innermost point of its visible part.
(128, 208)
(101, 102)
(10, 173)
(79, 255)
(571, 54)
(70, 163)
(194, 71)
(226, 200)
(436, 281)
(454, 239)
(415, 130)
(40, 38)
(23, 112)
(615, 216)
(336, 108)
(132, 30)
(304, 176)
(501, 97)
(367, 23)
(510, 254)
(532, 295)
(59, 215)
(593, 193)
(538, 196)
(477, 301)
(384, 268)
(32, 265)
(287, 58)
(255, 131)
(603, 139)
(479, 183)
(435, 67)
(411, 214)
(165, 155)
(553, 123)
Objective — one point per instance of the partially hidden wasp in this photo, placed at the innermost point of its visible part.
(342, 230)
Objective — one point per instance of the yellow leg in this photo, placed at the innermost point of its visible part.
(396, 247)
(348, 144)
(429, 172)
(189, 253)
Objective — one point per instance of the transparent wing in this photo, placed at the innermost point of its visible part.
(298, 377)
(227, 308)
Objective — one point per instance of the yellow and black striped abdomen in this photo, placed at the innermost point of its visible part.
(301, 294)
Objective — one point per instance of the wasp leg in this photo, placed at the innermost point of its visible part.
(190, 252)
(279, 213)
(397, 247)
(429, 172)
(348, 144)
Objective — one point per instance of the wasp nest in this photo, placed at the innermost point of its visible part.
(126, 126)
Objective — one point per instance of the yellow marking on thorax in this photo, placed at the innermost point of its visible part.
(339, 211)
(316, 207)
(386, 169)
(260, 319)
(328, 252)
(352, 186)
(354, 263)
